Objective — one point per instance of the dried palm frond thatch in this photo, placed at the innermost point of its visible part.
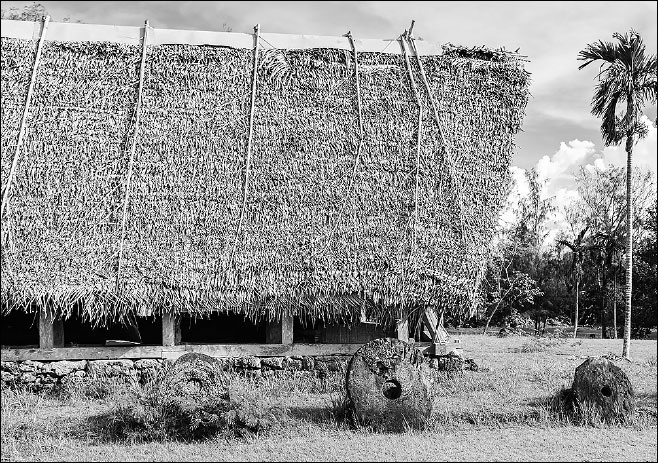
(320, 237)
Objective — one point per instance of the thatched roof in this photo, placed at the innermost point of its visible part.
(330, 218)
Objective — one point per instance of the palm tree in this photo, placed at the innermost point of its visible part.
(578, 248)
(628, 75)
(610, 247)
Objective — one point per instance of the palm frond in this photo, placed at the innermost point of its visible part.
(627, 75)
(605, 51)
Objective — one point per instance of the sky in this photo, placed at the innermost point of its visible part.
(559, 133)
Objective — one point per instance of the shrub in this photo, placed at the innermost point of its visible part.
(540, 344)
(250, 413)
(155, 412)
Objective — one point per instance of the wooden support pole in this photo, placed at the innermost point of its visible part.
(250, 137)
(171, 332)
(51, 331)
(402, 329)
(280, 332)
(447, 153)
(360, 111)
(23, 124)
(133, 147)
(419, 132)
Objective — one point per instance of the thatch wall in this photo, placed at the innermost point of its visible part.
(319, 235)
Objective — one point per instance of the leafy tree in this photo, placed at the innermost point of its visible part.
(513, 293)
(645, 290)
(533, 211)
(578, 247)
(34, 12)
(601, 207)
(628, 76)
(609, 249)
(509, 285)
(506, 291)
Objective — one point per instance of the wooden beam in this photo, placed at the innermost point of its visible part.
(51, 331)
(171, 332)
(214, 350)
(23, 124)
(280, 332)
(84, 353)
(430, 321)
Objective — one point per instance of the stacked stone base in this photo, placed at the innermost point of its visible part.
(51, 375)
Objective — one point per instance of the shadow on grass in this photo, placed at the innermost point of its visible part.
(647, 405)
(648, 399)
(487, 418)
(316, 415)
(335, 415)
(536, 411)
(102, 428)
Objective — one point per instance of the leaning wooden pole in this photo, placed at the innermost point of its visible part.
(250, 136)
(447, 153)
(419, 132)
(359, 107)
(26, 111)
(133, 146)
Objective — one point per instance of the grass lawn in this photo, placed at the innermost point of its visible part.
(497, 413)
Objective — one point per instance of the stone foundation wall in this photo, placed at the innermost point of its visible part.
(50, 375)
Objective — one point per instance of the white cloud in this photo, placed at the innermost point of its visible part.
(644, 151)
(557, 220)
(599, 164)
(559, 165)
(557, 172)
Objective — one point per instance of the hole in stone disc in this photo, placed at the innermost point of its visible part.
(192, 386)
(606, 391)
(392, 389)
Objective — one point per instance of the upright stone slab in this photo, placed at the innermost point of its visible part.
(195, 396)
(388, 385)
(600, 386)
(195, 375)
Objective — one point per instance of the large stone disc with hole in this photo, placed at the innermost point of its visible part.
(388, 385)
(195, 375)
(601, 387)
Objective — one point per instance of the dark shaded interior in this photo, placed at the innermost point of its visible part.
(320, 332)
(20, 329)
(221, 328)
(143, 330)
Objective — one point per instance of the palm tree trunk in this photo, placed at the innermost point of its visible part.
(629, 244)
(575, 317)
